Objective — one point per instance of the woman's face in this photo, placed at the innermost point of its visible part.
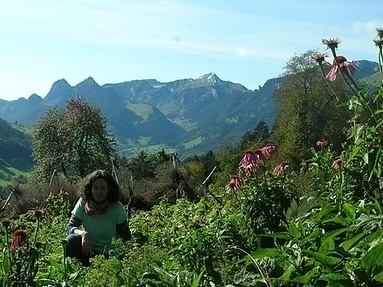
(100, 189)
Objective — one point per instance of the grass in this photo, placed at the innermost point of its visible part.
(140, 109)
(185, 123)
(9, 173)
(130, 148)
(192, 143)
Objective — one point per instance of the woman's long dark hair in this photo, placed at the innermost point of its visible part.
(114, 191)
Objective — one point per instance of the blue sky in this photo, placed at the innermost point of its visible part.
(242, 41)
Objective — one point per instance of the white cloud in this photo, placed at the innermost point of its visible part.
(367, 26)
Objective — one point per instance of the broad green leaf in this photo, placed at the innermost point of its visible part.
(378, 277)
(347, 245)
(287, 274)
(335, 276)
(314, 235)
(294, 230)
(326, 210)
(281, 235)
(198, 279)
(266, 252)
(328, 241)
(339, 220)
(335, 233)
(354, 152)
(327, 245)
(327, 261)
(306, 278)
(373, 257)
(338, 280)
(349, 209)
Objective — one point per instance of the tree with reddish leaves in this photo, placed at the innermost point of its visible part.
(71, 142)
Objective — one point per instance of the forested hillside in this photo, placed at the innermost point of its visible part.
(15, 152)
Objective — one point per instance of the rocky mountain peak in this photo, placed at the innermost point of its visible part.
(88, 83)
(60, 85)
(210, 78)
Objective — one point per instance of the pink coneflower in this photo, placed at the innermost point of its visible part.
(19, 240)
(321, 143)
(280, 168)
(337, 163)
(260, 157)
(346, 67)
(331, 43)
(251, 161)
(319, 58)
(268, 149)
(235, 182)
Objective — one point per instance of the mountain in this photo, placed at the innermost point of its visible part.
(187, 115)
(206, 108)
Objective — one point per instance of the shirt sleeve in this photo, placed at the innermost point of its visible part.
(74, 223)
(78, 210)
(76, 218)
(122, 227)
(121, 214)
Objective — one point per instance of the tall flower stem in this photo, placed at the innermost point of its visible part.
(380, 59)
(37, 229)
(64, 242)
(328, 84)
(7, 242)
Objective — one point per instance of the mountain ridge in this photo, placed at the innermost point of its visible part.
(171, 114)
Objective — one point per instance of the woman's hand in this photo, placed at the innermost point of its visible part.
(86, 244)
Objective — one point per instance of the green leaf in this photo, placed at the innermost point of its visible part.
(375, 168)
(338, 280)
(365, 158)
(327, 244)
(328, 241)
(6, 266)
(347, 245)
(294, 230)
(266, 252)
(281, 235)
(378, 277)
(327, 261)
(306, 278)
(287, 274)
(198, 279)
(326, 210)
(373, 257)
(339, 220)
(349, 209)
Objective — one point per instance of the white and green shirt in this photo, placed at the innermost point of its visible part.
(101, 228)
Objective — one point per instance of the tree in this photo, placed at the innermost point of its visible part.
(142, 166)
(307, 111)
(72, 142)
(258, 136)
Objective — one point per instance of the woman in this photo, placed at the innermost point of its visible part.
(97, 218)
